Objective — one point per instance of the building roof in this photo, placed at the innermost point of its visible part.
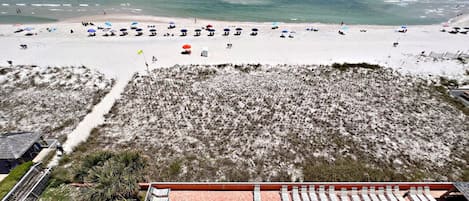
(463, 187)
(14, 145)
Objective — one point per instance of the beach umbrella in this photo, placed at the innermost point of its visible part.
(134, 23)
(28, 29)
(456, 28)
(123, 29)
(139, 30)
(209, 26)
(152, 30)
(183, 30)
(226, 30)
(91, 30)
(108, 24)
(198, 30)
(211, 30)
(285, 31)
(239, 29)
(186, 46)
(255, 29)
(344, 28)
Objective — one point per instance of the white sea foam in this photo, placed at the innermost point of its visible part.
(5, 4)
(83, 5)
(67, 5)
(4, 13)
(248, 2)
(21, 4)
(56, 9)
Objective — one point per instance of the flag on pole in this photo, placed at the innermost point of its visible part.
(140, 52)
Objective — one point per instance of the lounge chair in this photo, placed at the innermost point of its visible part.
(304, 193)
(373, 194)
(420, 194)
(160, 192)
(312, 194)
(364, 195)
(412, 194)
(389, 194)
(381, 195)
(257, 193)
(322, 193)
(139, 34)
(355, 196)
(426, 192)
(284, 193)
(344, 195)
(397, 194)
(332, 194)
(295, 194)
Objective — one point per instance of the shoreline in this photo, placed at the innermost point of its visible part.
(165, 19)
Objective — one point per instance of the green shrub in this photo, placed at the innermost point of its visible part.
(15, 175)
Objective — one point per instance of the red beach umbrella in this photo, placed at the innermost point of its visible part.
(186, 46)
(209, 26)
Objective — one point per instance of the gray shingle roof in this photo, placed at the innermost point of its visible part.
(463, 187)
(14, 145)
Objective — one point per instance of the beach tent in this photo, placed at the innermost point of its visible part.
(254, 31)
(183, 32)
(92, 32)
(153, 32)
(204, 52)
(274, 25)
(172, 25)
(197, 32)
(238, 31)
(139, 31)
(227, 31)
(211, 32)
(187, 49)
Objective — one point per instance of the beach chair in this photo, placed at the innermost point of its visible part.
(355, 196)
(304, 193)
(420, 194)
(284, 193)
(296, 194)
(389, 194)
(312, 193)
(160, 192)
(397, 194)
(427, 193)
(365, 196)
(413, 194)
(322, 193)
(159, 199)
(373, 194)
(332, 194)
(381, 195)
(344, 195)
(257, 193)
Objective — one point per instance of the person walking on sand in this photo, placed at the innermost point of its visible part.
(154, 59)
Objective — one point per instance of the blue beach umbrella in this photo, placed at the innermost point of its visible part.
(404, 26)
(239, 29)
(183, 30)
(108, 24)
(28, 29)
(138, 30)
(285, 31)
(226, 30)
(123, 29)
(91, 30)
(134, 23)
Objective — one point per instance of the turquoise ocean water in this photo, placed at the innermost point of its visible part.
(386, 12)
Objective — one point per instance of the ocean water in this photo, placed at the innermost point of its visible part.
(386, 12)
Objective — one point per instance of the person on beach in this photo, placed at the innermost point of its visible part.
(154, 59)
(71, 31)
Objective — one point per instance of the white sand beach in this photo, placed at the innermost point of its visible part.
(117, 56)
